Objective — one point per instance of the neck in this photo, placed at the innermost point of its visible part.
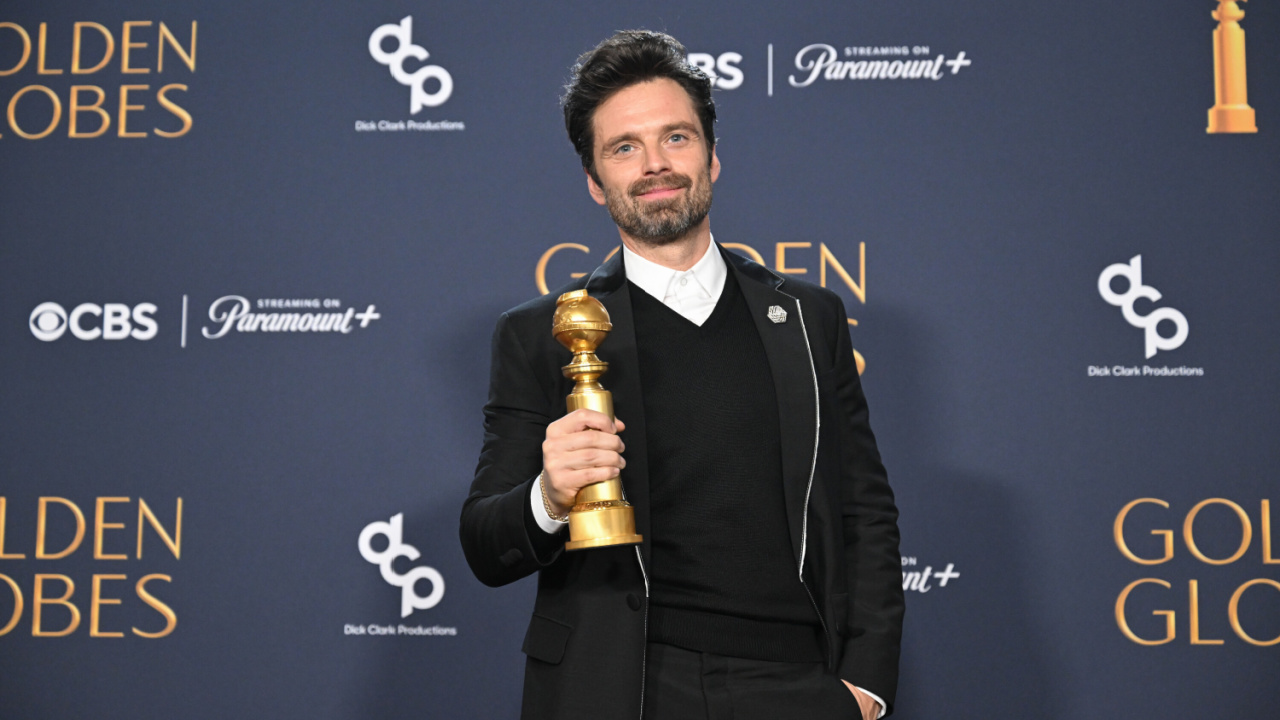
(679, 253)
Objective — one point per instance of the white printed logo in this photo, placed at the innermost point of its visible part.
(49, 321)
(235, 312)
(722, 69)
(403, 34)
(410, 600)
(1133, 273)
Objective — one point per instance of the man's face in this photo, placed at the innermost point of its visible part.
(651, 160)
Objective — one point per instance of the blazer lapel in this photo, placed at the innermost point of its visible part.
(608, 284)
(794, 383)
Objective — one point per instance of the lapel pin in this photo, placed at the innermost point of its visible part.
(777, 314)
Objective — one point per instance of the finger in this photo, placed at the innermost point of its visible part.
(579, 420)
(586, 439)
(618, 425)
(585, 459)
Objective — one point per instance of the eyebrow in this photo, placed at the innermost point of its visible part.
(633, 137)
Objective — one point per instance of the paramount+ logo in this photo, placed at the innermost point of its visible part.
(91, 321)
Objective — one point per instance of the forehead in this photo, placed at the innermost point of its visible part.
(649, 105)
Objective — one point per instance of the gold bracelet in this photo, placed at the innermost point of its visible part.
(546, 501)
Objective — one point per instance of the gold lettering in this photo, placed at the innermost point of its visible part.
(126, 45)
(75, 48)
(38, 601)
(1118, 532)
(42, 517)
(1266, 535)
(859, 288)
(26, 48)
(1246, 534)
(121, 127)
(1194, 609)
(100, 524)
(1233, 612)
(17, 605)
(171, 619)
(173, 107)
(75, 108)
(174, 542)
(1169, 615)
(95, 603)
(188, 58)
(540, 271)
(781, 257)
(14, 556)
(750, 251)
(13, 107)
(40, 68)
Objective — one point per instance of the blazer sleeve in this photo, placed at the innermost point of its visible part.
(870, 519)
(500, 540)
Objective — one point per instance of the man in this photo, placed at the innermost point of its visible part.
(768, 584)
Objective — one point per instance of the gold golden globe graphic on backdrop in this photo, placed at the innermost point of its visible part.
(1230, 112)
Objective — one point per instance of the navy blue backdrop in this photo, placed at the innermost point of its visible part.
(249, 267)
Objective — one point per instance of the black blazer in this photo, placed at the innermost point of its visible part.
(586, 640)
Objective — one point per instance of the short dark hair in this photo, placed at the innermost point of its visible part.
(628, 58)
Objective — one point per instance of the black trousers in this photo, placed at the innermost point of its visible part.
(686, 685)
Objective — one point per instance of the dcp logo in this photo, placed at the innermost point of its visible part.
(403, 34)
(410, 600)
(113, 321)
(1150, 322)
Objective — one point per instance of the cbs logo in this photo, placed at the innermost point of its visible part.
(722, 69)
(110, 321)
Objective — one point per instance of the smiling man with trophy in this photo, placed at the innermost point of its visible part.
(727, 545)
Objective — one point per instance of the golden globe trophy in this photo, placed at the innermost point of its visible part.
(600, 515)
(1230, 112)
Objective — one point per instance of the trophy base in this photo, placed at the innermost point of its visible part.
(632, 539)
(1231, 119)
(612, 524)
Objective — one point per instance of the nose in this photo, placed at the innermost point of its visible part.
(656, 161)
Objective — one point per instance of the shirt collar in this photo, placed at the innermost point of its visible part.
(709, 272)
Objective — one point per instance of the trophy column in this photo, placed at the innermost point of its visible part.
(1230, 112)
(600, 516)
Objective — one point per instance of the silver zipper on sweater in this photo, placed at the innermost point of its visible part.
(813, 466)
(817, 427)
(644, 652)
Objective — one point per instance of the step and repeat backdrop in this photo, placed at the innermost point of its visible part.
(251, 256)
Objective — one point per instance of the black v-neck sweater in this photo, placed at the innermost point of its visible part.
(723, 577)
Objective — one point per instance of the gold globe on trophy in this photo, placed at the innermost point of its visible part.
(600, 516)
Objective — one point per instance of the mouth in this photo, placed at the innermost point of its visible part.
(660, 193)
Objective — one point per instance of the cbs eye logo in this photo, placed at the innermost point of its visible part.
(110, 321)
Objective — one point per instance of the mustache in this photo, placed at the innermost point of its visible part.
(675, 181)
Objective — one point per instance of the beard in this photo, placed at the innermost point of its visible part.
(661, 222)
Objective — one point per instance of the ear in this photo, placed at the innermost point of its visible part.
(715, 165)
(597, 192)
